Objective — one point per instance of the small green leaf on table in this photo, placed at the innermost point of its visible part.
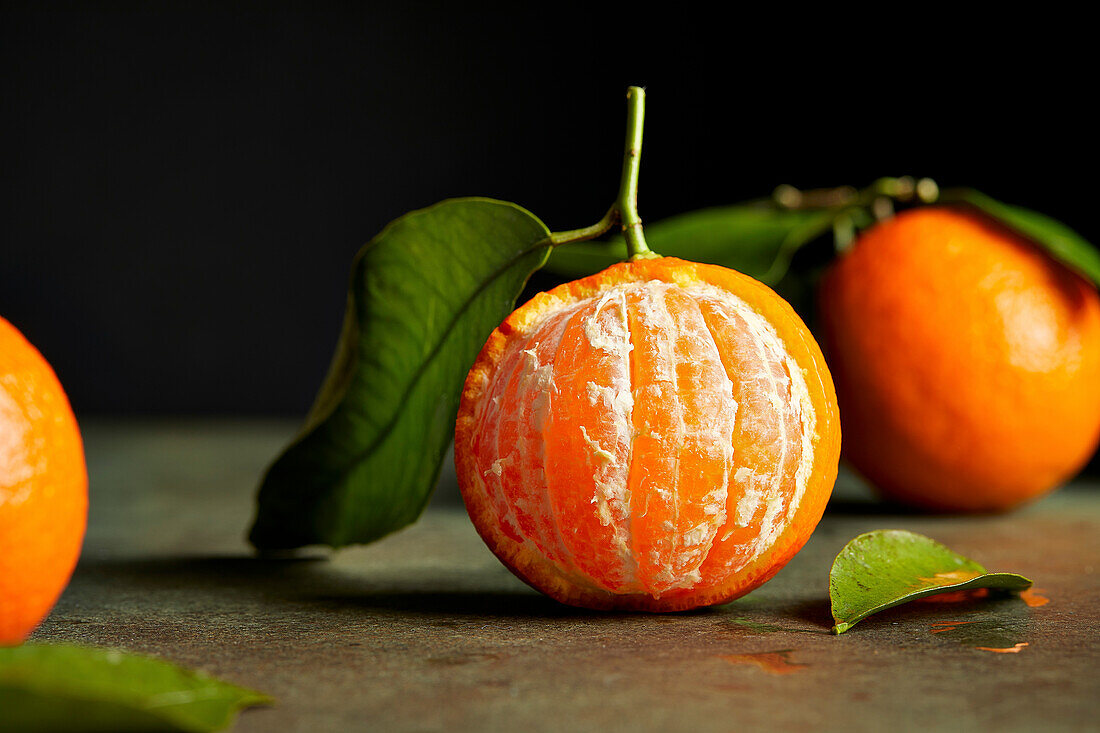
(1059, 240)
(756, 238)
(888, 567)
(424, 295)
(63, 688)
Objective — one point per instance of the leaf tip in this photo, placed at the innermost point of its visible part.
(258, 699)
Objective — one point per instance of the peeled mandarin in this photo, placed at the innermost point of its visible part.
(659, 436)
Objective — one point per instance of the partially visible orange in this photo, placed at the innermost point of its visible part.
(659, 436)
(967, 361)
(43, 487)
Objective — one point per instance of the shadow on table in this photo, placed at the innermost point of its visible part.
(519, 603)
(228, 583)
(817, 613)
(844, 503)
(221, 582)
(313, 582)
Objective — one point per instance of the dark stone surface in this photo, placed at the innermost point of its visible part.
(427, 631)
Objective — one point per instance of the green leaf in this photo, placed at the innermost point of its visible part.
(888, 567)
(424, 295)
(1063, 243)
(757, 239)
(47, 687)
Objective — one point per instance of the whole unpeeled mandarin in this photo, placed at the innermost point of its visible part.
(659, 436)
(967, 361)
(43, 487)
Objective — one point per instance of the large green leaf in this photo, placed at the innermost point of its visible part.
(424, 295)
(1062, 242)
(59, 688)
(757, 239)
(888, 567)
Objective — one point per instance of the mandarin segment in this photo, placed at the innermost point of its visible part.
(518, 472)
(967, 361)
(587, 444)
(765, 439)
(674, 425)
(683, 419)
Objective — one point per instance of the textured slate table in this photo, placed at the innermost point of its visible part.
(426, 631)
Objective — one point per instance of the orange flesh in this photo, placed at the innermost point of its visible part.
(644, 439)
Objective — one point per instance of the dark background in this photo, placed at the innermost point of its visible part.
(183, 189)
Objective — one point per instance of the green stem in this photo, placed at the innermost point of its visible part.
(625, 208)
(580, 235)
(627, 203)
